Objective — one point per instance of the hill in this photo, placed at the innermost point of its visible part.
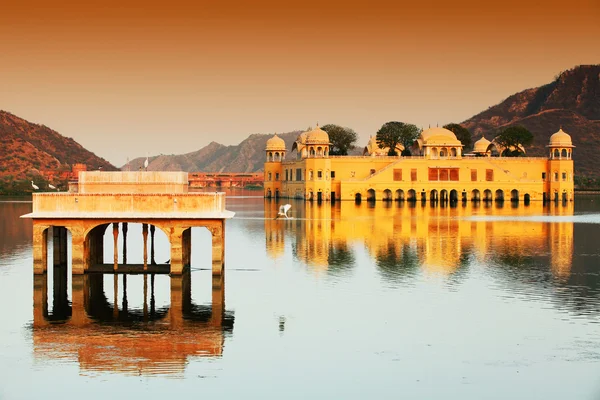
(571, 101)
(27, 149)
(248, 156)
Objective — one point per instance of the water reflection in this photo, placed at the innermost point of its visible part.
(14, 234)
(525, 245)
(111, 335)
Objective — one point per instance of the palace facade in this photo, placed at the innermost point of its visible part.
(438, 170)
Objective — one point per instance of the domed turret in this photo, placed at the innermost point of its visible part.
(275, 143)
(481, 146)
(317, 136)
(561, 139)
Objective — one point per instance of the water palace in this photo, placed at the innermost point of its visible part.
(438, 170)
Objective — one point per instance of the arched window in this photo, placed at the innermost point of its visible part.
(434, 152)
(564, 153)
(312, 151)
(453, 152)
(319, 151)
(556, 153)
(443, 152)
(270, 176)
(270, 157)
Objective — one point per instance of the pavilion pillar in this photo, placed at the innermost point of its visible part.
(152, 231)
(80, 252)
(180, 251)
(40, 248)
(116, 296)
(115, 245)
(145, 236)
(124, 225)
(59, 246)
(218, 247)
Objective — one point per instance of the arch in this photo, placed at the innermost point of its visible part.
(387, 195)
(433, 195)
(564, 154)
(499, 195)
(454, 195)
(434, 152)
(270, 156)
(268, 193)
(443, 195)
(475, 195)
(487, 195)
(423, 196)
(371, 195)
(556, 153)
(412, 195)
(357, 198)
(527, 198)
(443, 152)
(312, 151)
(270, 176)
(514, 195)
(400, 195)
(453, 152)
(319, 151)
(276, 157)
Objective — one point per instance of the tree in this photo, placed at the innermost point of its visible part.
(393, 133)
(342, 139)
(513, 139)
(462, 134)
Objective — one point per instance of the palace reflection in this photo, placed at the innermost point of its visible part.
(108, 335)
(405, 238)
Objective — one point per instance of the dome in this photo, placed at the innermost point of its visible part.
(439, 136)
(275, 143)
(561, 139)
(372, 148)
(317, 136)
(481, 146)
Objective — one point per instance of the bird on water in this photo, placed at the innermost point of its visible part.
(283, 210)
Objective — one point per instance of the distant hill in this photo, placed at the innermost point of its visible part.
(27, 148)
(571, 101)
(248, 156)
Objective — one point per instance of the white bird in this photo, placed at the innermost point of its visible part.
(51, 186)
(146, 164)
(283, 211)
(34, 186)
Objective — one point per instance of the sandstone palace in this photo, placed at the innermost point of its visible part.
(438, 170)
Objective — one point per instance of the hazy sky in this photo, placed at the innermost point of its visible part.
(170, 77)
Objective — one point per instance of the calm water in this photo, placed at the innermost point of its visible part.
(390, 301)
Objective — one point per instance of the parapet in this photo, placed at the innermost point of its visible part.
(142, 182)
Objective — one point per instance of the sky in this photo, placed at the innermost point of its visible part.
(126, 79)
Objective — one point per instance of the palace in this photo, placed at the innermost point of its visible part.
(438, 170)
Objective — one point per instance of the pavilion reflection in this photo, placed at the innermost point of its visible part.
(105, 336)
(405, 238)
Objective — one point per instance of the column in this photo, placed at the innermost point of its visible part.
(176, 308)
(124, 225)
(80, 253)
(40, 248)
(116, 297)
(218, 247)
(152, 231)
(115, 245)
(145, 236)
(177, 256)
(59, 246)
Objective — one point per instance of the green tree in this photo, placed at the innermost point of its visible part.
(462, 134)
(513, 139)
(342, 139)
(393, 133)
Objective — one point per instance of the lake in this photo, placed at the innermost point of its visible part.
(385, 300)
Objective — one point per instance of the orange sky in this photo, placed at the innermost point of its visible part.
(170, 77)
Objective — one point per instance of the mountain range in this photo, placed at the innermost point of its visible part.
(570, 102)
